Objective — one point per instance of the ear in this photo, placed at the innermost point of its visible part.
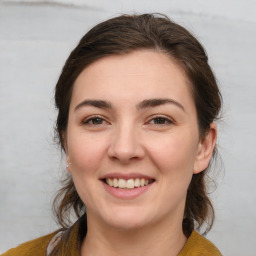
(65, 144)
(205, 150)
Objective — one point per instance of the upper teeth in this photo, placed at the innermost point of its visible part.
(130, 183)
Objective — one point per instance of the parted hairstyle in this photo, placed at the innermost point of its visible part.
(122, 35)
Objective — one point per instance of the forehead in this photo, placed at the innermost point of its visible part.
(134, 76)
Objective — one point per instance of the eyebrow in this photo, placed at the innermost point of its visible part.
(149, 103)
(157, 102)
(94, 103)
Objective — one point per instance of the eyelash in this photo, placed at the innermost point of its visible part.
(91, 120)
(166, 120)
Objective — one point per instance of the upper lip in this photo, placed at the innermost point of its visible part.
(126, 176)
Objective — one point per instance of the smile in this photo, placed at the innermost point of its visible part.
(128, 184)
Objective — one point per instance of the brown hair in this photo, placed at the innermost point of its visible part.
(122, 35)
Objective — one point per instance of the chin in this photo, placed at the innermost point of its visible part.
(127, 224)
(127, 220)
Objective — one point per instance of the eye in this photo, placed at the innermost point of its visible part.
(159, 120)
(95, 120)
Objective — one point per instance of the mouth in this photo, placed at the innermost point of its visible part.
(127, 184)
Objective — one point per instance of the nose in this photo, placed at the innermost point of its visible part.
(125, 145)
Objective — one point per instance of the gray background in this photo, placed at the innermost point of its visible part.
(36, 38)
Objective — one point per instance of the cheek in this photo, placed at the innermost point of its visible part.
(173, 152)
(86, 152)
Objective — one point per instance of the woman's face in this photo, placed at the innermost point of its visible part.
(132, 139)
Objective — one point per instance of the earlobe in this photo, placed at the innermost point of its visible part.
(205, 150)
(68, 166)
(68, 162)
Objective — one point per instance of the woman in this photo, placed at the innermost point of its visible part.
(136, 104)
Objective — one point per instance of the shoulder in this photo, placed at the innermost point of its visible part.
(198, 245)
(34, 247)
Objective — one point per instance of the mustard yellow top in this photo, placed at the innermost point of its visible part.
(196, 245)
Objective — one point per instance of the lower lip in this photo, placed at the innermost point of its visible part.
(126, 193)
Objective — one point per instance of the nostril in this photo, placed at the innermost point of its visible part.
(125, 147)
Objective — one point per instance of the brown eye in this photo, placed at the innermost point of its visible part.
(161, 121)
(94, 121)
(97, 121)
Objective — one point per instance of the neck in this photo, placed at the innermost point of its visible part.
(159, 239)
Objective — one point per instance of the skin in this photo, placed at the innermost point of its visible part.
(128, 138)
